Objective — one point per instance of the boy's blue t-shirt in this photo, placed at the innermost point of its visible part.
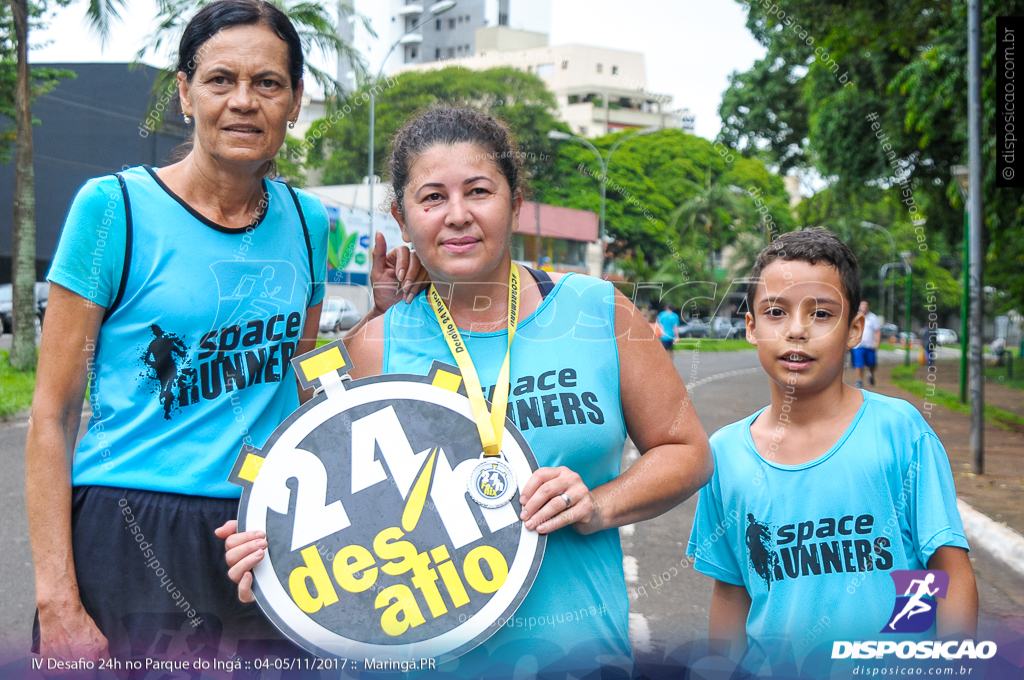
(814, 543)
(194, 361)
(668, 321)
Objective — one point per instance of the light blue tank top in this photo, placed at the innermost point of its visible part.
(192, 362)
(564, 398)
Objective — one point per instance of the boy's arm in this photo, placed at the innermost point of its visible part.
(958, 612)
(727, 623)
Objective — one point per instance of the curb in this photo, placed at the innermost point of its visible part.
(998, 540)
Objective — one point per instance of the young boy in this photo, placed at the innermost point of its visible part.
(817, 497)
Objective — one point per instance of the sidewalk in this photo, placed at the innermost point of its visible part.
(999, 493)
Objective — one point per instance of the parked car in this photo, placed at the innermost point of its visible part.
(6, 304)
(738, 330)
(694, 327)
(721, 326)
(889, 332)
(903, 339)
(946, 336)
(338, 314)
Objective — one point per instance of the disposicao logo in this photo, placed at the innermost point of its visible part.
(914, 612)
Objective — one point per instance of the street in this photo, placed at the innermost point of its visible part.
(669, 601)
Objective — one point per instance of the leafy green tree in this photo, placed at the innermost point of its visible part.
(18, 16)
(650, 177)
(339, 143)
(315, 23)
(832, 65)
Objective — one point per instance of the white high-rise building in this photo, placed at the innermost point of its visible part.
(425, 34)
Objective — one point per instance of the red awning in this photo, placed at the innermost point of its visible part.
(556, 222)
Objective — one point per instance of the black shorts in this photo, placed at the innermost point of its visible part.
(151, 574)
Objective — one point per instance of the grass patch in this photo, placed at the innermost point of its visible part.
(905, 378)
(713, 345)
(996, 375)
(15, 388)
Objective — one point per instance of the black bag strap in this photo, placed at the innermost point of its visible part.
(309, 244)
(127, 249)
(544, 282)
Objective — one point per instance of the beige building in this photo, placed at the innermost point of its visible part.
(598, 90)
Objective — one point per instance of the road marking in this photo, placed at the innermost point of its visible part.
(640, 634)
(720, 376)
(631, 568)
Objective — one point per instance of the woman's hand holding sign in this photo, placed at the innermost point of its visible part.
(243, 551)
(557, 497)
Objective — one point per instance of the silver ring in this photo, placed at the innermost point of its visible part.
(568, 501)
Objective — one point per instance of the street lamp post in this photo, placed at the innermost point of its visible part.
(962, 175)
(603, 163)
(435, 10)
(908, 262)
(892, 258)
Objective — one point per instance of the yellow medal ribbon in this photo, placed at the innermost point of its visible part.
(491, 426)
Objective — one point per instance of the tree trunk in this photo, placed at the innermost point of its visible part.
(23, 347)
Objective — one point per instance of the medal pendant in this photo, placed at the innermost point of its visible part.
(492, 483)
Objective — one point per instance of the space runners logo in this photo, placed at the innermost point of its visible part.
(914, 611)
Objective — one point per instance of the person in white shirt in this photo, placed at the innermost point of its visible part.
(864, 354)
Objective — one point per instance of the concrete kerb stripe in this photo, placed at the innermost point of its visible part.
(1000, 541)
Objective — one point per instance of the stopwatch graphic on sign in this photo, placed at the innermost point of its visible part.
(378, 546)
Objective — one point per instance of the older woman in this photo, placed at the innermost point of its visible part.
(456, 178)
(180, 294)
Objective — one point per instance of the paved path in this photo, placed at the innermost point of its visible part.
(666, 613)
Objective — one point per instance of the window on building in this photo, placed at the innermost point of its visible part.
(615, 70)
(451, 51)
(545, 70)
(600, 68)
(460, 19)
(451, 23)
(467, 47)
(565, 64)
(460, 48)
(412, 54)
(583, 129)
(503, 19)
(437, 53)
(437, 25)
(529, 68)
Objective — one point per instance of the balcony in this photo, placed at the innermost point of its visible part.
(414, 8)
(411, 39)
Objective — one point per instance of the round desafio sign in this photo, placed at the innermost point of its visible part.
(377, 547)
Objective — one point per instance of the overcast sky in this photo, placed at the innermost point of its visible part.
(691, 46)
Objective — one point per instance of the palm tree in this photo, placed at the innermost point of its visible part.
(710, 212)
(100, 13)
(316, 26)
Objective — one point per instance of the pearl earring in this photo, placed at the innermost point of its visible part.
(188, 118)
(291, 124)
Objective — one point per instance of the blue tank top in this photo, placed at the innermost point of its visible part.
(192, 361)
(564, 398)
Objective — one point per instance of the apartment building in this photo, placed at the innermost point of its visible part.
(427, 31)
(599, 90)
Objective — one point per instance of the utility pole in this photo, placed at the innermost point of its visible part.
(977, 222)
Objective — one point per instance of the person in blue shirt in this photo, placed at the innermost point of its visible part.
(819, 496)
(179, 296)
(669, 321)
(457, 183)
